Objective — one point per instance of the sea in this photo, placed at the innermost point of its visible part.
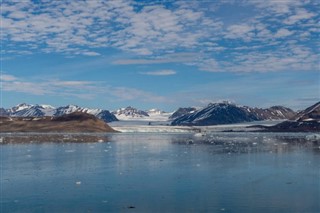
(236, 172)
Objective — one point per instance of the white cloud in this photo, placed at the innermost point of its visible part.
(164, 59)
(70, 83)
(282, 33)
(5, 77)
(287, 58)
(56, 26)
(168, 58)
(301, 14)
(78, 89)
(160, 72)
(239, 31)
(90, 53)
(153, 33)
(277, 7)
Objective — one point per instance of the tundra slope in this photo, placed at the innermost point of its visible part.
(76, 122)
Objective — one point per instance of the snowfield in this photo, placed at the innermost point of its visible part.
(152, 117)
(164, 126)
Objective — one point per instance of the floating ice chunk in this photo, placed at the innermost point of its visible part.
(313, 137)
(78, 182)
(199, 134)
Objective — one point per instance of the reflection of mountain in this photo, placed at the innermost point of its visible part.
(73, 122)
(27, 110)
(244, 143)
(227, 113)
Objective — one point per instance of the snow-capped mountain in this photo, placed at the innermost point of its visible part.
(28, 110)
(66, 110)
(99, 113)
(134, 114)
(129, 113)
(228, 113)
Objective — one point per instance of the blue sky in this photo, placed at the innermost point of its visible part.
(164, 54)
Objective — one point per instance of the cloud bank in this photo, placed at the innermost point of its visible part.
(277, 36)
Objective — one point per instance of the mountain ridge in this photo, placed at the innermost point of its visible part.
(307, 120)
(29, 110)
(228, 113)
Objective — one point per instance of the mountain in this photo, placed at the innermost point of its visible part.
(182, 111)
(272, 113)
(64, 110)
(73, 122)
(228, 113)
(213, 114)
(311, 113)
(28, 110)
(129, 113)
(307, 120)
(3, 112)
(104, 115)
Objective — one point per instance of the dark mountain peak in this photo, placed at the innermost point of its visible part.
(75, 116)
(310, 113)
(228, 113)
(214, 114)
(307, 120)
(182, 111)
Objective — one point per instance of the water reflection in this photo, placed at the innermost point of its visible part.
(226, 172)
(251, 142)
(20, 138)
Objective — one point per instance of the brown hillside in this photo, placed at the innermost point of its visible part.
(75, 122)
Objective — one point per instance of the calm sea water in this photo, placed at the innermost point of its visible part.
(164, 173)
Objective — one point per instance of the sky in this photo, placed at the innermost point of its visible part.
(160, 54)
